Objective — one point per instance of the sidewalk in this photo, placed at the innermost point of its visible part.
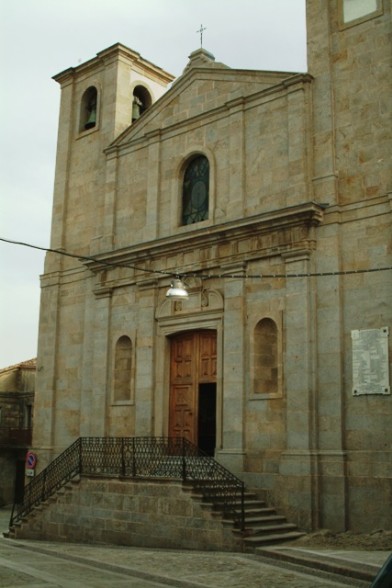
(354, 567)
(357, 564)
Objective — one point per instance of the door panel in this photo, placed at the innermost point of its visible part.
(182, 389)
(207, 364)
(192, 362)
(182, 412)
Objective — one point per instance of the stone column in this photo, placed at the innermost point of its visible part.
(105, 234)
(237, 159)
(232, 452)
(320, 63)
(94, 414)
(45, 401)
(332, 457)
(146, 299)
(65, 141)
(87, 364)
(299, 147)
(298, 462)
(153, 185)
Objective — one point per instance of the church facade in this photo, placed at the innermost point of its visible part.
(268, 195)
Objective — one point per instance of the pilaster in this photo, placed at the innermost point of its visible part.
(237, 195)
(153, 185)
(145, 372)
(45, 403)
(97, 409)
(87, 385)
(298, 463)
(232, 453)
(105, 241)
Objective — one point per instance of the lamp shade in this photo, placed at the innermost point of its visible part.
(177, 290)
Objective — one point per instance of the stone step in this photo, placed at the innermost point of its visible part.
(262, 518)
(267, 529)
(360, 571)
(256, 513)
(260, 521)
(255, 541)
(269, 525)
(236, 504)
(214, 491)
(252, 509)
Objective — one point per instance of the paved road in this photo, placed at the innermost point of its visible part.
(35, 564)
(28, 569)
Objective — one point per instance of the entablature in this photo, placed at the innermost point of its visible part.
(258, 237)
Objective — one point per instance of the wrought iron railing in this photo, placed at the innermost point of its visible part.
(138, 457)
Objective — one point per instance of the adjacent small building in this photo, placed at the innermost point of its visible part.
(17, 387)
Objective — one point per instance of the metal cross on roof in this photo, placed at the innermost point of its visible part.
(201, 30)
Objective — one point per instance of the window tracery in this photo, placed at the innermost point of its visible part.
(195, 191)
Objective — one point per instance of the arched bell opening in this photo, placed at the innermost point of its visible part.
(141, 101)
(88, 109)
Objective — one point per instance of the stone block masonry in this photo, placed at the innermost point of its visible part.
(124, 512)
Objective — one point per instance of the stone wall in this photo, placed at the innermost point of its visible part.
(7, 478)
(124, 512)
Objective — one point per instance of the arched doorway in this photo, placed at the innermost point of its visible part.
(192, 408)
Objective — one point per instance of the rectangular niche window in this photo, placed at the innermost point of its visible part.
(370, 361)
(266, 359)
(122, 370)
(354, 10)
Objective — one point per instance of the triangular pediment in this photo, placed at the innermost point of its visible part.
(205, 86)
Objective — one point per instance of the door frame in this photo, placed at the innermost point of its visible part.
(168, 326)
(189, 387)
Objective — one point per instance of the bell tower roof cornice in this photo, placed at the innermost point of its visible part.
(116, 51)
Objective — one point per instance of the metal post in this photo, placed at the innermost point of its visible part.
(43, 485)
(14, 503)
(80, 455)
(133, 458)
(122, 457)
(183, 460)
(242, 507)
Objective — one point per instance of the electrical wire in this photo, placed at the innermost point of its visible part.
(206, 276)
(85, 257)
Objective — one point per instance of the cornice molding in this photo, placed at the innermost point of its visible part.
(303, 216)
(112, 53)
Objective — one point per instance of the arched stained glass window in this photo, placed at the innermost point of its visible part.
(195, 191)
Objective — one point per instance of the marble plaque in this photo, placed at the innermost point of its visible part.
(370, 361)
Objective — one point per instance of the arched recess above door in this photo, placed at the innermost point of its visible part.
(201, 301)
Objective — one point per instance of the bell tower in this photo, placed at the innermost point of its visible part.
(347, 56)
(350, 59)
(99, 100)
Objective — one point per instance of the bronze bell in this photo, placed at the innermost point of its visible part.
(92, 119)
(136, 108)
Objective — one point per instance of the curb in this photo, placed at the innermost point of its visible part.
(332, 565)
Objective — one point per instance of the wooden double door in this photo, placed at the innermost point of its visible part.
(193, 363)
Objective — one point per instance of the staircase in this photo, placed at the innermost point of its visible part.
(263, 525)
(218, 490)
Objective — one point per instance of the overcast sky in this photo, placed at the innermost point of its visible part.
(40, 38)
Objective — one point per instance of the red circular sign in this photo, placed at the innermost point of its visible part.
(31, 460)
